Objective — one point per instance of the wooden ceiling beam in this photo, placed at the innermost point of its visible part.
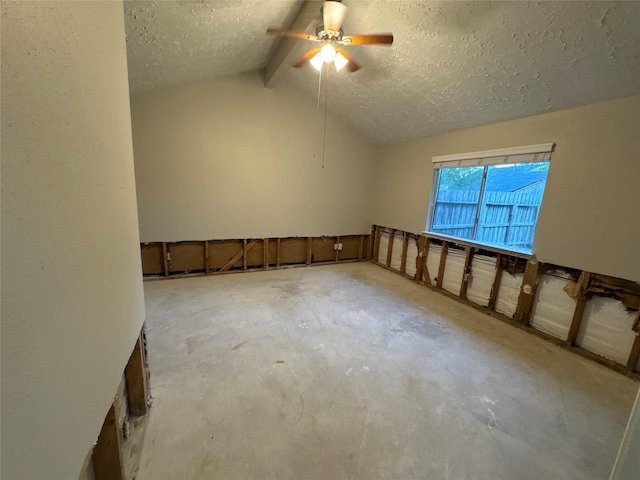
(284, 55)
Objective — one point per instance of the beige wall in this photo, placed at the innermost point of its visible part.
(228, 158)
(72, 300)
(590, 216)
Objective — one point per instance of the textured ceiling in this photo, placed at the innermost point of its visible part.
(453, 65)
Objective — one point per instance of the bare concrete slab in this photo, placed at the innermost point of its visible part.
(353, 372)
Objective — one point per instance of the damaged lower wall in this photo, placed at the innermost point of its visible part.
(589, 313)
(232, 255)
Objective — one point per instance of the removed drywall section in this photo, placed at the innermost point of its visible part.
(383, 248)
(433, 261)
(412, 255)
(606, 329)
(454, 270)
(483, 271)
(228, 158)
(72, 298)
(553, 308)
(396, 252)
(508, 293)
(593, 172)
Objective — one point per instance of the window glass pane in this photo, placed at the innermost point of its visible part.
(510, 205)
(457, 201)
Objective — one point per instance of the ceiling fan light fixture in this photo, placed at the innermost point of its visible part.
(317, 62)
(328, 53)
(340, 61)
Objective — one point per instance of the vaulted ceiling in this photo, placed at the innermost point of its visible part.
(453, 65)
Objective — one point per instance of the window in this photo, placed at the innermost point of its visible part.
(492, 198)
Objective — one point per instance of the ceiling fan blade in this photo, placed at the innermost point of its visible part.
(352, 66)
(333, 14)
(376, 39)
(293, 34)
(306, 57)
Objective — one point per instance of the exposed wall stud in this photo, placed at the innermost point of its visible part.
(392, 234)
(443, 263)
(577, 320)
(265, 253)
(466, 272)
(493, 297)
(107, 454)
(527, 292)
(337, 249)
(244, 254)
(136, 377)
(425, 267)
(165, 259)
(376, 244)
(361, 247)
(206, 256)
(370, 245)
(278, 253)
(309, 247)
(405, 245)
(420, 259)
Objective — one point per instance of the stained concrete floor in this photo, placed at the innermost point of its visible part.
(353, 372)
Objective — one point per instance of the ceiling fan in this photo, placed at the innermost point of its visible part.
(333, 41)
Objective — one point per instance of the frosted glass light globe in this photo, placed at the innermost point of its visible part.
(328, 53)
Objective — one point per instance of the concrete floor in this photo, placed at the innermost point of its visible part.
(353, 372)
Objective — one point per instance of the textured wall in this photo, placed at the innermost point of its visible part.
(589, 216)
(228, 158)
(71, 281)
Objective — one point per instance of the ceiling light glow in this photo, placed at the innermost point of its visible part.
(317, 62)
(328, 53)
(340, 61)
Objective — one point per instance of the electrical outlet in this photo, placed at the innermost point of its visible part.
(337, 246)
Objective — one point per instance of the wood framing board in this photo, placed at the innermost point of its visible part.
(206, 256)
(528, 291)
(152, 261)
(576, 320)
(221, 251)
(392, 234)
(309, 250)
(255, 254)
(443, 263)
(376, 242)
(107, 454)
(293, 250)
(186, 257)
(277, 253)
(165, 259)
(403, 255)
(495, 287)
(136, 377)
(420, 260)
(466, 273)
(322, 249)
(265, 253)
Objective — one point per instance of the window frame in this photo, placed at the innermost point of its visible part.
(526, 154)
